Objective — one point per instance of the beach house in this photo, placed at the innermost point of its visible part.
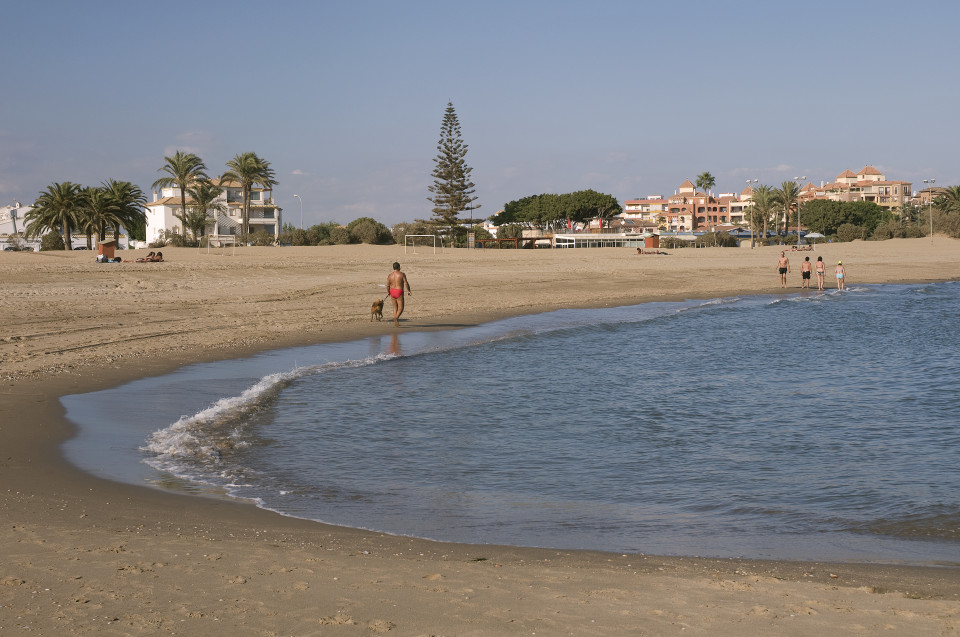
(225, 222)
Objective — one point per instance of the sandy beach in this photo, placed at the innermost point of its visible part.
(83, 555)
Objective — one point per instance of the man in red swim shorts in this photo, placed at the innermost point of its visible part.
(396, 282)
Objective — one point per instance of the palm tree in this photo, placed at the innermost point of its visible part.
(949, 200)
(99, 211)
(786, 196)
(56, 208)
(182, 170)
(204, 194)
(763, 206)
(129, 201)
(705, 181)
(249, 169)
(905, 212)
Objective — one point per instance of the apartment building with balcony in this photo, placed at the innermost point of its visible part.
(867, 185)
(265, 215)
(676, 212)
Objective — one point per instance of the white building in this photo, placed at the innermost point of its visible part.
(12, 219)
(11, 216)
(228, 222)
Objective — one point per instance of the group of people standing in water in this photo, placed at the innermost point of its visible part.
(807, 269)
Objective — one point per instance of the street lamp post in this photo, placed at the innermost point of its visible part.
(930, 201)
(13, 215)
(799, 180)
(301, 210)
(752, 204)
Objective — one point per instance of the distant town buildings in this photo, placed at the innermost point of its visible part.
(675, 213)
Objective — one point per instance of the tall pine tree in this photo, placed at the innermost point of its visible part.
(452, 189)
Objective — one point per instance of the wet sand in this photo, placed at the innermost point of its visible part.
(82, 555)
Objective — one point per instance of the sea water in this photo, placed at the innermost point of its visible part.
(804, 425)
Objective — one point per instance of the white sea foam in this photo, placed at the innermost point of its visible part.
(211, 432)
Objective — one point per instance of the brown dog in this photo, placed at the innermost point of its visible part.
(376, 310)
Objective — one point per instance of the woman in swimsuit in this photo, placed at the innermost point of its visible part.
(841, 274)
(821, 267)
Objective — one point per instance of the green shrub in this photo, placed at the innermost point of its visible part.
(169, 238)
(367, 230)
(297, 237)
(887, 230)
(947, 223)
(51, 241)
(673, 243)
(713, 239)
(318, 235)
(339, 236)
(849, 232)
(262, 238)
(912, 231)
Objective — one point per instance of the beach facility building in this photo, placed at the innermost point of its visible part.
(224, 224)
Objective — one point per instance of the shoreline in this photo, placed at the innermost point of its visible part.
(60, 515)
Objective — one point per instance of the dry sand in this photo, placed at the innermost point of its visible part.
(82, 555)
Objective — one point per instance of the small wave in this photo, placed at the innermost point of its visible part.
(933, 525)
(213, 433)
(708, 304)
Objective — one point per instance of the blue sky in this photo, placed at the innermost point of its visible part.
(346, 99)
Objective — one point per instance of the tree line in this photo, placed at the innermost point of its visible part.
(66, 208)
(557, 211)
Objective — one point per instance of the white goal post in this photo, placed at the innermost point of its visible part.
(407, 237)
